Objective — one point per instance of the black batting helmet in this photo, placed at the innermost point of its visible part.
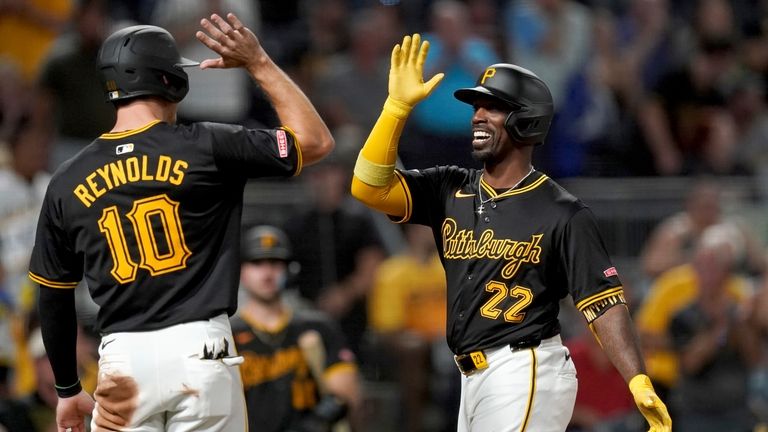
(143, 60)
(265, 242)
(524, 92)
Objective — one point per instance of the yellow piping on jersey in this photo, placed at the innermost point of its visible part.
(600, 296)
(123, 134)
(492, 192)
(299, 156)
(531, 392)
(49, 283)
(408, 199)
(281, 324)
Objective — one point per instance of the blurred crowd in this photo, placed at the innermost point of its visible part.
(642, 88)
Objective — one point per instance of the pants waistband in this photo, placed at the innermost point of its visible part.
(476, 360)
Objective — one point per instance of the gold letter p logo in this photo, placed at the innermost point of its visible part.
(488, 73)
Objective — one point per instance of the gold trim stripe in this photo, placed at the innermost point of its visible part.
(118, 135)
(49, 283)
(299, 155)
(279, 326)
(599, 296)
(531, 391)
(408, 198)
(492, 192)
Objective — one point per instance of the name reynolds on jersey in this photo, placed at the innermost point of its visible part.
(461, 244)
(130, 170)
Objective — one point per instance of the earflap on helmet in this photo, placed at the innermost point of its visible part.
(528, 125)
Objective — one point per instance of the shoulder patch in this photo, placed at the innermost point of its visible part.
(282, 143)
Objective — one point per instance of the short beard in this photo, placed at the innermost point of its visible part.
(482, 156)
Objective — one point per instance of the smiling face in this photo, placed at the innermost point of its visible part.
(490, 140)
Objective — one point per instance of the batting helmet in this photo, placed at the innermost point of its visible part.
(524, 92)
(265, 242)
(143, 60)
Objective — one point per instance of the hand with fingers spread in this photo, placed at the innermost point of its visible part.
(406, 83)
(235, 43)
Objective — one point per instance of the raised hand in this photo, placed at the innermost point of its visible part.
(235, 43)
(406, 82)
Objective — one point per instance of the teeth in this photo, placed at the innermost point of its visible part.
(481, 135)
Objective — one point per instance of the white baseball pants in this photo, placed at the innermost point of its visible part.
(158, 380)
(533, 389)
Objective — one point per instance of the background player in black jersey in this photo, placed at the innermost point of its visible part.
(513, 243)
(298, 374)
(149, 216)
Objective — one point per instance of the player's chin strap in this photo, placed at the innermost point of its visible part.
(649, 404)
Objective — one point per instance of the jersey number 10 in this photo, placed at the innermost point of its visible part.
(159, 209)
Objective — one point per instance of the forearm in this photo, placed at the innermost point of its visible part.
(58, 324)
(619, 341)
(294, 109)
(374, 182)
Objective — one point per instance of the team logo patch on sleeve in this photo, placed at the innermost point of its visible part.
(282, 143)
(610, 272)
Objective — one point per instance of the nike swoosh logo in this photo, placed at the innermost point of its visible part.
(105, 343)
(460, 194)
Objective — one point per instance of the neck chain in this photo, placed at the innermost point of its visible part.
(481, 207)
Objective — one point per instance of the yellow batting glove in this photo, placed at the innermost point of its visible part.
(651, 407)
(406, 82)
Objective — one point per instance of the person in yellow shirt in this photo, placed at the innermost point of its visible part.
(28, 29)
(678, 287)
(407, 310)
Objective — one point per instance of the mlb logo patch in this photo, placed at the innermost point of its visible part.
(282, 143)
(124, 148)
(610, 272)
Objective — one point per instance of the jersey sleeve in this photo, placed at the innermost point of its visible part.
(425, 192)
(257, 152)
(54, 263)
(593, 281)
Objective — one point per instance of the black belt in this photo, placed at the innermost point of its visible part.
(477, 360)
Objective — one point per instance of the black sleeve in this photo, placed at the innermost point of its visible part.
(58, 324)
(256, 152)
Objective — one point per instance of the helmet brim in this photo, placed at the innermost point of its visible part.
(470, 95)
(185, 62)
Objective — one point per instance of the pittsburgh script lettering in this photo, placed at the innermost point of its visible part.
(461, 244)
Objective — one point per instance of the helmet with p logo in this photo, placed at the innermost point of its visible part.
(529, 100)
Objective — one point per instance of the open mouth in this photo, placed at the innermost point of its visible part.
(480, 137)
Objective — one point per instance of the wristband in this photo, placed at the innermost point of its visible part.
(68, 391)
(397, 108)
(373, 174)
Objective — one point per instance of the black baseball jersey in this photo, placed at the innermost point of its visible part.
(279, 387)
(509, 261)
(150, 218)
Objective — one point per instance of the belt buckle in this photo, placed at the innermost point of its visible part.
(471, 363)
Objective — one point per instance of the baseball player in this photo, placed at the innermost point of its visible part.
(513, 243)
(298, 373)
(149, 215)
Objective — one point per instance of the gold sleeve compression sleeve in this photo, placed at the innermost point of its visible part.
(374, 182)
